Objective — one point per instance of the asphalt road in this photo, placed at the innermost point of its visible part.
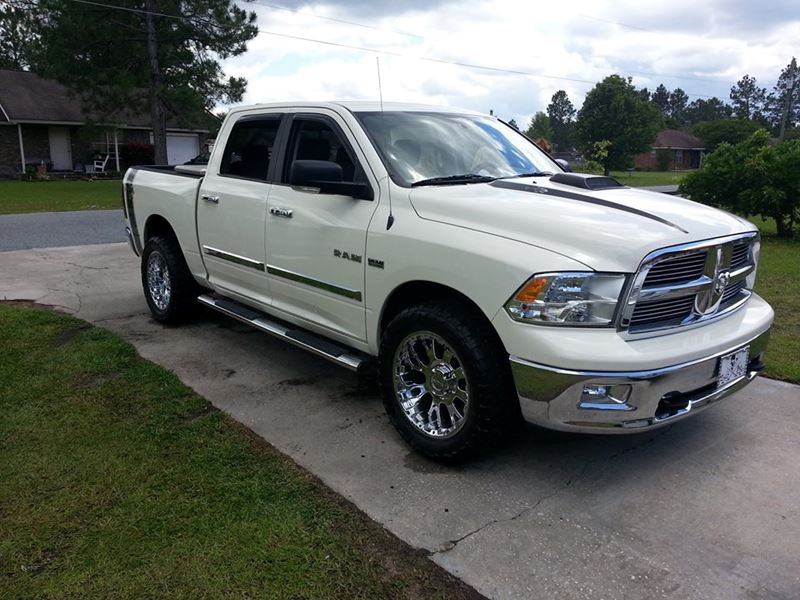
(57, 229)
(707, 508)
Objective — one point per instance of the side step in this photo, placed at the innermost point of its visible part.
(341, 355)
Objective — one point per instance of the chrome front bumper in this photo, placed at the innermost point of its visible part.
(554, 398)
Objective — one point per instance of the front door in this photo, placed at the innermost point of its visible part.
(232, 207)
(60, 148)
(316, 243)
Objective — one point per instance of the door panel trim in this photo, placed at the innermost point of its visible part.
(234, 258)
(317, 283)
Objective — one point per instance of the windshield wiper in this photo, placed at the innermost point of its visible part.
(531, 174)
(455, 180)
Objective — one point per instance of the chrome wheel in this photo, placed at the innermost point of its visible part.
(430, 384)
(158, 281)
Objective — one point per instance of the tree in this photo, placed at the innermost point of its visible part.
(660, 98)
(731, 131)
(513, 124)
(711, 109)
(678, 101)
(753, 177)
(159, 54)
(562, 114)
(748, 99)
(17, 34)
(614, 111)
(540, 128)
(784, 101)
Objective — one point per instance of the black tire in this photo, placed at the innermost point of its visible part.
(183, 290)
(492, 415)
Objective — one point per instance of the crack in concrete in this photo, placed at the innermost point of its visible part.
(450, 545)
(81, 267)
(453, 543)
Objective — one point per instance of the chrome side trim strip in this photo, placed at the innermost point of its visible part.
(317, 283)
(234, 258)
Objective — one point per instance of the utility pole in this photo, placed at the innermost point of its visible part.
(787, 106)
(158, 115)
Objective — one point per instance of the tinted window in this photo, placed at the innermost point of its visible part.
(249, 148)
(313, 139)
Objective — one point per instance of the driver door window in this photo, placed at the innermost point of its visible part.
(313, 139)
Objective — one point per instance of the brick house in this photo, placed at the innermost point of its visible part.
(41, 123)
(673, 149)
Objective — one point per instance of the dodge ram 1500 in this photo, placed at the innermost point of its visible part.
(485, 282)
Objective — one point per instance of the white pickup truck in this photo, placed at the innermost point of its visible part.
(486, 282)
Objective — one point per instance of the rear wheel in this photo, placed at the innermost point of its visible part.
(169, 288)
(446, 381)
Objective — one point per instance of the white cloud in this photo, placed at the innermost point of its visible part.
(702, 48)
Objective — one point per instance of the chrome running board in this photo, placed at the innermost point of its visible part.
(341, 355)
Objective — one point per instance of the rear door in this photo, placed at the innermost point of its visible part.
(232, 207)
(316, 242)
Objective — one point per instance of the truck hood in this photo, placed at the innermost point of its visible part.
(608, 230)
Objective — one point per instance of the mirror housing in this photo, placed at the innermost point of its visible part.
(326, 176)
(564, 165)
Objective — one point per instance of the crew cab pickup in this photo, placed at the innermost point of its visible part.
(482, 281)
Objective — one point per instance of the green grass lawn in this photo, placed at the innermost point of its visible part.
(647, 178)
(120, 482)
(49, 196)
(778, 283)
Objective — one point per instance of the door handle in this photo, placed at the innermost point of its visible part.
(281, 212)
(208, 198)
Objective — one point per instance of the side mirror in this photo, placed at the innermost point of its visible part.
(326, 176)
(564, 165)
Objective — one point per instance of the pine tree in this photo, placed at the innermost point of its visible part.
(161, 55)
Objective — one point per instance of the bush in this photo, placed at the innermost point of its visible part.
(752, 177)
(663, 159)
(133, 154)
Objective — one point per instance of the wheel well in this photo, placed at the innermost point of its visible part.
(416, 292)
(157, 225)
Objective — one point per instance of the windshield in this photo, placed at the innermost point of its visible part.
(451, 148)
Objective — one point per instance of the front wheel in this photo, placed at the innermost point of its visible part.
(446, 381)
(169, 288)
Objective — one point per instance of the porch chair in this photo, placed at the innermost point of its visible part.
(100, 165)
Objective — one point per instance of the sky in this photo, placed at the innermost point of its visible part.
(701, 47)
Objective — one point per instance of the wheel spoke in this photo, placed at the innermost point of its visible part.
(431, 384)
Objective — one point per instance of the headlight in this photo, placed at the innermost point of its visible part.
(568, 299)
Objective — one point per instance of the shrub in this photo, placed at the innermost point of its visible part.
(663, 159)
(135, 153)
(752, 177)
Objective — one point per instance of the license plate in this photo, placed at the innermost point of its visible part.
(733, 366)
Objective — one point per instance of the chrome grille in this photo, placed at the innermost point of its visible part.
(740, 255)
(662, 311)
(690, 283)
(679, 269)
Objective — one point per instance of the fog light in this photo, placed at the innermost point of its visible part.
(606, 397)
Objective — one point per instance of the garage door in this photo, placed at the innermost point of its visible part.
(182, 147)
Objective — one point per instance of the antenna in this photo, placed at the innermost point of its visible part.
(390, 220)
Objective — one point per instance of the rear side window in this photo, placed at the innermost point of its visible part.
(249, 148)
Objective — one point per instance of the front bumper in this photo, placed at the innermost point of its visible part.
(552, 397)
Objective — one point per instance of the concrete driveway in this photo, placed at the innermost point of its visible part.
(707, 508)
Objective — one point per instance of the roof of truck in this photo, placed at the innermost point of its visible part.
(361, 106)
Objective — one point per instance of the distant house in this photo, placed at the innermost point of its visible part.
(43, 126)
(674, 150)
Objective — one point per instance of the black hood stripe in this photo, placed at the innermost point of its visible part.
(536, 189)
